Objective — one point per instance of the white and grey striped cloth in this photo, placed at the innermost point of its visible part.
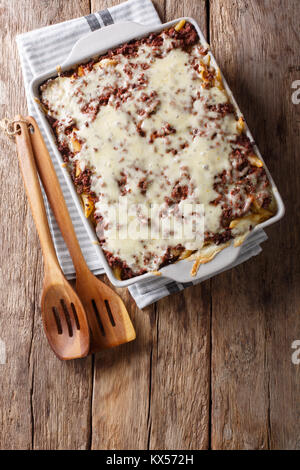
(43, 49)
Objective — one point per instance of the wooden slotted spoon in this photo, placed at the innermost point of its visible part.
(109, 321)
(63, 314)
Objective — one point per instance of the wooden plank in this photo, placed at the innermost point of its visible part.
(179, 406)
(121, 387)
(256, 388)
(44, 403)
(179, 394)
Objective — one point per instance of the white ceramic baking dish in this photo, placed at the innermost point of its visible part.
(93, 45)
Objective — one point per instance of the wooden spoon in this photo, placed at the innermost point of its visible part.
(63, 314)
(108, 318)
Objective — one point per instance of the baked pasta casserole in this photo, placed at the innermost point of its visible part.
(150, 126)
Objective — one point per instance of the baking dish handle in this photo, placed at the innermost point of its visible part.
(95, 43)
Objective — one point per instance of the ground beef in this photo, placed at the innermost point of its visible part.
(222, 108)
(243, 141)
(219, 238)
(163, 132)
(179, 193)
(172, 254)
(65, 152)
(143, 184)
(186, 37)
(83, 181)
(122, 184)
(126, 272)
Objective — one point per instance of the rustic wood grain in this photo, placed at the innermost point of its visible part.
(255, 386)
(179, 406)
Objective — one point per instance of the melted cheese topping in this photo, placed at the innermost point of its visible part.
(156, 135)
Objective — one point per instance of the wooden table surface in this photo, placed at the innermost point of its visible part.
(212, 366)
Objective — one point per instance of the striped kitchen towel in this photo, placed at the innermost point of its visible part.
(38, 52)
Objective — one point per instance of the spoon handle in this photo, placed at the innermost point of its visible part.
(33, 191)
